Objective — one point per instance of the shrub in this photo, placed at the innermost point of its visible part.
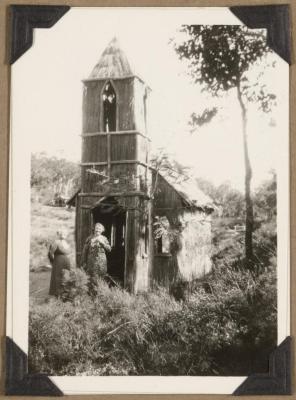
(227, 325)
(248, 302)
(74, 284)
(265, 242)
(60, 333)
(107, 333)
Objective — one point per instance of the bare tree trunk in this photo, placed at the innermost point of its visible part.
(248, 178)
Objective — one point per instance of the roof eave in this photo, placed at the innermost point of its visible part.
(117, 78)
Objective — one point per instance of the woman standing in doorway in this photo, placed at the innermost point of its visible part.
(94, 261)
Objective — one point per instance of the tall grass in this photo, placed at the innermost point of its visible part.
(226, 326)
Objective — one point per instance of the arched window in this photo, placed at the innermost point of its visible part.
(109, 108)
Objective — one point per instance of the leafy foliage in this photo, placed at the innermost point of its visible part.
(229, 245)
(74, 284)
(51, 175)
(229, 200)
(204, 118)
(221, 55)
(169, 167)
(265, 199)
(162, 228)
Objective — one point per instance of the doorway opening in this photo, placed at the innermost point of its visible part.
(113, 216)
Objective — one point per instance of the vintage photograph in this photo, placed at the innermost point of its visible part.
(156, 152)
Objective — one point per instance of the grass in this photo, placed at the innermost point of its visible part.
(228, 330)
(39, 286)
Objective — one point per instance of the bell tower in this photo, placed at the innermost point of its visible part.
(115, 175)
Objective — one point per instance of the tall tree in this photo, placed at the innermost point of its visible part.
(220, 58)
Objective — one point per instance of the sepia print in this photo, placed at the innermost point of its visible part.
(153, 233)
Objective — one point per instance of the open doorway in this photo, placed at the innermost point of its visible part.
(109, 213)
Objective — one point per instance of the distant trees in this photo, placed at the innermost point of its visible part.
(265, 204)
(220, 58)
(232, 201)
(52, 176)
(225, 196)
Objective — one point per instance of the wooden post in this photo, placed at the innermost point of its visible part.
(129, 273)
(109, 154)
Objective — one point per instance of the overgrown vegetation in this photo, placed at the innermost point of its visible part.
(224, 324)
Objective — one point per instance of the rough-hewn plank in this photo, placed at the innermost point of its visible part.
(123, 147)
(130, 266)
(142, 245)
(125, 104)
(95, 149)
(143, 149)
(122, 178)
(116, 133)
(164, 194)
(139, 105)
(85, 226)
(92, 107)
(77, 229)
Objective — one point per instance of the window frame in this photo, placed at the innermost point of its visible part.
(101, 122)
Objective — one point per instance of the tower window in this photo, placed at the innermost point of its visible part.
(109, 108)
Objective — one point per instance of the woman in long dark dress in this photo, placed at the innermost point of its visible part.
(94, 261)
(58, 255)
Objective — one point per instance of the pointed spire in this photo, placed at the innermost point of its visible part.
(112, 64)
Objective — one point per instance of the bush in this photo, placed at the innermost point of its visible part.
(265, 242)
(74, 284)
(105, 335)
(247, 302)
(226, 326)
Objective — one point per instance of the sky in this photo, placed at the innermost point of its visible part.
(47, 91)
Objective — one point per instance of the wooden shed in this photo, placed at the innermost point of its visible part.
(133, 201)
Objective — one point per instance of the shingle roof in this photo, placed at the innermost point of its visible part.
(112, 64)
(190, 193)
